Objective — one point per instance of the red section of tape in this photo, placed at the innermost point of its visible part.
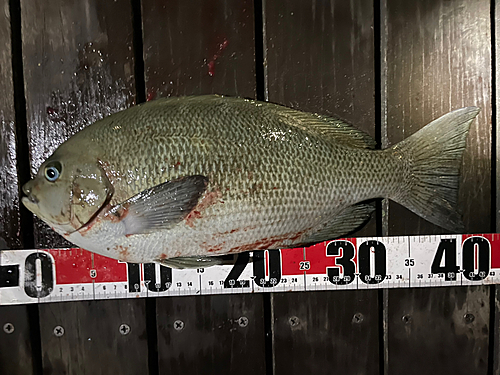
(315, 255)
(74, 266)
(319, 260)
(494, 240)
(290, 261)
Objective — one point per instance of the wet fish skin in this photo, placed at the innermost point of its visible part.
(273, 177)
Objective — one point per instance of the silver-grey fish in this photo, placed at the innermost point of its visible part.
(194, 177)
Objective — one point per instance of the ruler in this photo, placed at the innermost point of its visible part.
(51, 275)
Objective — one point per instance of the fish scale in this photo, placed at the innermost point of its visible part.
(276, 177)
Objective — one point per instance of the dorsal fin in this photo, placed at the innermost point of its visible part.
(329, 127)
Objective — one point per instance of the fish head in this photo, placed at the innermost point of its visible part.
(68, 191)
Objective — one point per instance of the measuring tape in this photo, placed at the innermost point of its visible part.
(51, 275)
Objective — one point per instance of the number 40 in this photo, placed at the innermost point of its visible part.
(475, 251)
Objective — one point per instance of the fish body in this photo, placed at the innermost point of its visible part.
(211, 175)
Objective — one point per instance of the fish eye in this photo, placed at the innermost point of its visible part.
(53, 171)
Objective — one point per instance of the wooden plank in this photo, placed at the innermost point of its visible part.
(433, 65)
(444, 330)
(320, 58)
(496, 129)
(222, 334)
(15, 346)
(79, 67)
(206, 47)
(496, 331)
(95, 337)
(10, 222)
(314, 333)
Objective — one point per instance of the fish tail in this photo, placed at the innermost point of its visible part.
(433, 159)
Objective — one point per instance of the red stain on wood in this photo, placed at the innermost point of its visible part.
(211, 63)
(150, 96)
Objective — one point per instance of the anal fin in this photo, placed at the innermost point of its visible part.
(348, 220)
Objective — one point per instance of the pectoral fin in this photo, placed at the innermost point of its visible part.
(161, 206)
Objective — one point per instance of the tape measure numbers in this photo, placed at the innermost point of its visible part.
(50, 275)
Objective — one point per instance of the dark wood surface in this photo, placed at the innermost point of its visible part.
(320, 58)
(221, 334)
(496, 170)
(443, 330)
(434, 65)
(213, 52)
(15, 341)
(15, 345)
(198, 47)
(93, 339)
(79, 67)
(10, 224)
(325, 333)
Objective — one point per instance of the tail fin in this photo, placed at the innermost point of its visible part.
(435, 157)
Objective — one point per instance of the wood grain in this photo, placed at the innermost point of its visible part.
(438, 58)
(314, 333)
(443, 330)
(79, 67)
(15, 347)
(320, 57)
(496, 171)
(10, 224)
(93, 342)
(213, 339)
(15, 344)
(198, 47)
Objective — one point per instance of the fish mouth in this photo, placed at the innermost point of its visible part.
(29, 196)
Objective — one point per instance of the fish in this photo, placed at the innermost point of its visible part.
(182, 181)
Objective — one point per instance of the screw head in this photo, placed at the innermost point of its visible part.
(293, 321)
(406, 319)
(124, 329)
(8, 328)
(58, 331)
(358, 318)
(178, 325)
(243, 321)
(469, 318)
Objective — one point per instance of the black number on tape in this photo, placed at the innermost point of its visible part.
(274, 268)
(335, 248)
(240, 264)
(380, 259)
(9, 275)
(30, 275)
(150, 277)
(448, 249)
(134, 277)
(469, 258)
